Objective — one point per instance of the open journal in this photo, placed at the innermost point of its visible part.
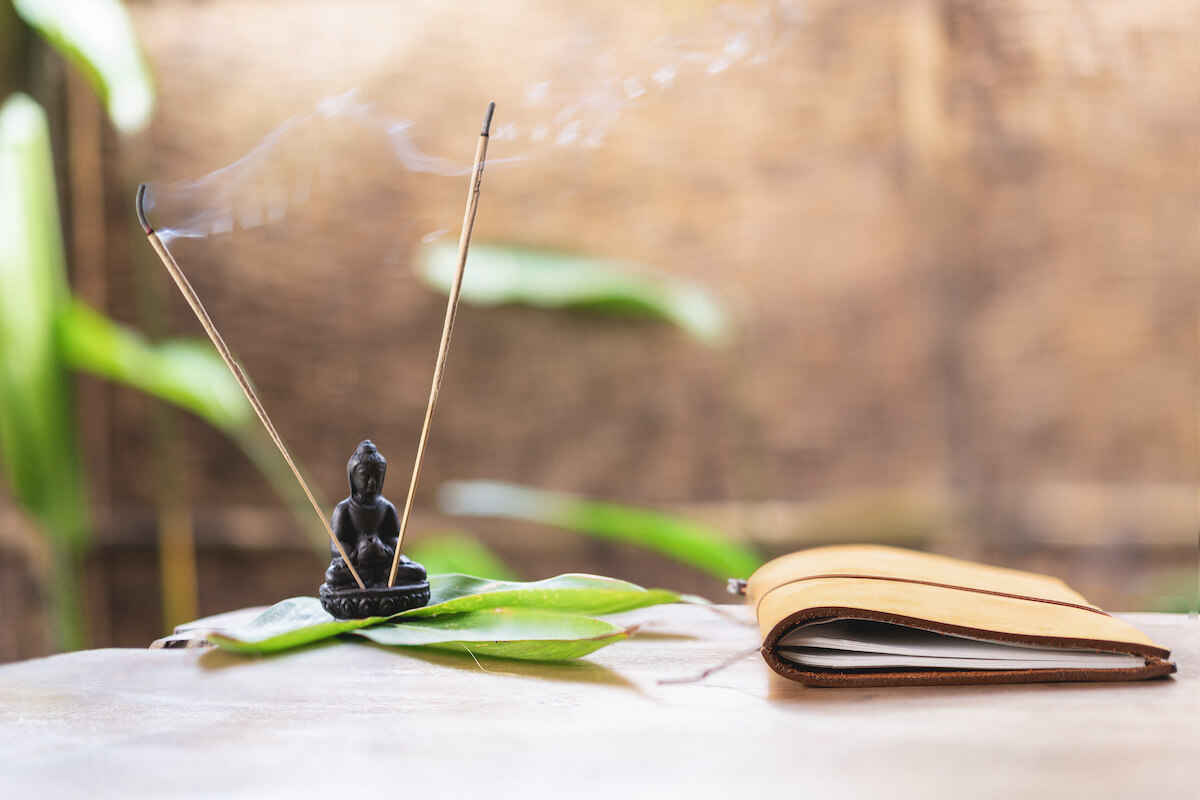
(863, 615)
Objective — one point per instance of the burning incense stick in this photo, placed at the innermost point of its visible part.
(206, 322)
(439, 368)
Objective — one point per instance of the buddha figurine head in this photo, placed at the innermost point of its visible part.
(366, 470)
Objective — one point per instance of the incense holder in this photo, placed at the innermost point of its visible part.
(381, 601)
(366, 526)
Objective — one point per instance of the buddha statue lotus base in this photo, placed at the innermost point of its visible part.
(381, 601)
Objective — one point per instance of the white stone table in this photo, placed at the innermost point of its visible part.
(355, 720)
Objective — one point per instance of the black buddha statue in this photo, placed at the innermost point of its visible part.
(368, 528)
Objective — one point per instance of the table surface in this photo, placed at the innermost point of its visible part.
(349, 717)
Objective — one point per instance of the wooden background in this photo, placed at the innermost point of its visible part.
(959, 239)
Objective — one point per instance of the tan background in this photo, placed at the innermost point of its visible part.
(960, 241)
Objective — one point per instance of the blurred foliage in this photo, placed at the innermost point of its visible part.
(458, 551)
(189, 374)
(1176, 592)
(38, 447)
(97, 38)
(507, 275)
(707, 549)
(37, 428)
(185, 372)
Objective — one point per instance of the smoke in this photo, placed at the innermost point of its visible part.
(593, 85)
(297, 160)
(582, 107)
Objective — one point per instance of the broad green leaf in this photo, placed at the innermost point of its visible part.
(289, 623)
(525, 633)
(301, 620)
(505, 275)
(186, 372)
(38, 447)
(97, 37)
(458, 551)
(573, 593)
(706, 548)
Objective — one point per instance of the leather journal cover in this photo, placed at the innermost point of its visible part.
(865, 615)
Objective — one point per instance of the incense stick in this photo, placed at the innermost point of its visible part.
(439, 368)
(206, 322)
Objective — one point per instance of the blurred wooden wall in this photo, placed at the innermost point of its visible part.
(960, 240)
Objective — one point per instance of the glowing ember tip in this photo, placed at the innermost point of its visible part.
(487, 119)
(141, 211)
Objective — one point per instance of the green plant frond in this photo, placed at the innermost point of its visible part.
(189, 374)
(37, 428)
(507, 275)
(184, 372)
(696, 544)
(98, 39)
(39, 452)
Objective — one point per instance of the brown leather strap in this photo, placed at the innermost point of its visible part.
(929, 583)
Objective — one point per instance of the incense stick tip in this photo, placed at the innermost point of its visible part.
(487, 119)
(139, 205)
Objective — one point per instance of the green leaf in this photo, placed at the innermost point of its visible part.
(290, 623)
(505, 275)
(38, 447)
(525, 633)
(36, 411)
(573, 593)
(704, 547)
(37, 435)
(458, 551)
(189, 374)
(301, 620)
(97, 37)
(186, 372)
